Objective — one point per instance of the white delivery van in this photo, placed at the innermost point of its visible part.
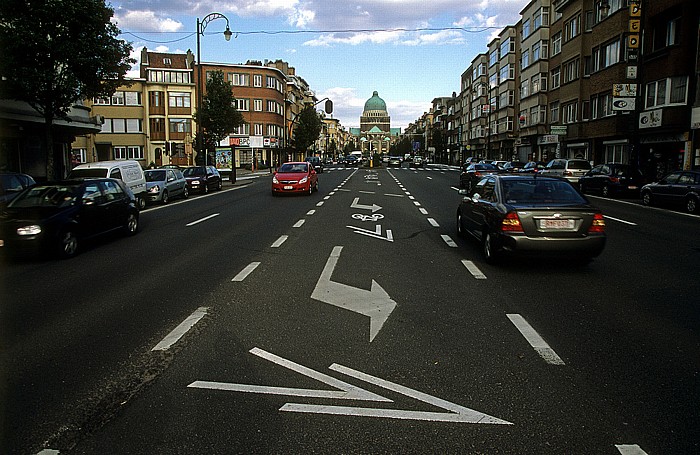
(128, 171)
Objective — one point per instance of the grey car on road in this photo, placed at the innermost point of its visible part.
(165, 184)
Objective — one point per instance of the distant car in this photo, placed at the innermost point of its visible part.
(417, 161)
(679, 188)
(474, 172)
(164, 184)
(202, 179)
(58, 217)
(316, 162)
(471, 159)
(572, 170)
(513, 166)
(11, 184)
(395, 161)
(530, 215)
(499, 164)
(612, 179)
(352, 161)
(532, 167)
(295, 177)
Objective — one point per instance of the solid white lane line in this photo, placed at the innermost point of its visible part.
(367, 192)
(180, 330)
(535, 340)
(423, 211)
(299, 223)
(449, 241)
(280, 241)
(630, 449)
(202, 219)
(474, 270)
(433, 222)
(619, 220)
(393, 195)
(243, 274)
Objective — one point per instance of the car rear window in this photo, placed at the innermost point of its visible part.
(540, 192)
(155, 176)
(578, 164)
(88, 172)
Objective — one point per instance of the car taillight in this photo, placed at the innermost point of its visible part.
(598, 224)
(477, 174)
(614, 179)
(511, 223)
(568, 173)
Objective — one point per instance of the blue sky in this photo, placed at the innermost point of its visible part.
(410, 51)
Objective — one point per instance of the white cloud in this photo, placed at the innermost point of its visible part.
(146, 21)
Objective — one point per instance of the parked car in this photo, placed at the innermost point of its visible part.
(128, 171)
(532, 167)
(59, 217)
(572, 170)
(295, 177)
(417, 161)
(395, 161)
(471, 159)
(679, 189)
(474, 172)
(530, 215)
(164, 184)
(612, 179)
(202, 179)
(499, 164)
(316, 162)
(11, 184)
(513, 166)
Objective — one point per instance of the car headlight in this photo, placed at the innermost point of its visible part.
(304, 180)
(34, 229)
(154, 189)
(274, 180)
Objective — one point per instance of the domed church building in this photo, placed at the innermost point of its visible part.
(375, 132)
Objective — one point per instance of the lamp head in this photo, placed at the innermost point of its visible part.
(227, 34)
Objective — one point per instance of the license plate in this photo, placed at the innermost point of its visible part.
(557, 224)
(288, 187)
(632, 187)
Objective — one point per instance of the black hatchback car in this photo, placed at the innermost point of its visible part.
(612, 179)
(679, 189)
(530, 215)
(58, 217)
(202, 179)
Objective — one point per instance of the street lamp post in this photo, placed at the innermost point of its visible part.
(201, 26)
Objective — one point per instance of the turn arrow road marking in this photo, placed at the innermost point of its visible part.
(356, 205)
(375, 303)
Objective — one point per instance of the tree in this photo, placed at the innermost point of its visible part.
(57, 52)
(219, 115)
(308, 129)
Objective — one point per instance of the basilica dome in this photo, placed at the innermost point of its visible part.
(375, 103)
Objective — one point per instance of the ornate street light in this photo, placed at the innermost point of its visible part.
(201, 26)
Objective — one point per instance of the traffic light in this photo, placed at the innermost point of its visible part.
(167, 148)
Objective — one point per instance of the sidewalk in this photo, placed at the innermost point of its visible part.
(244, 177)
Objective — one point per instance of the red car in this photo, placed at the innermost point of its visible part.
(295, 177)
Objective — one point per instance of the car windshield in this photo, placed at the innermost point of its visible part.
(485, 167)
(193, 172)
(540, 192)
(155, 176)
(46, 196)
(292, 168)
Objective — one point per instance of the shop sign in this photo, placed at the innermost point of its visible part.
(650, 119)
(623, 104)
(559, 130)
(625, 90)
(695, 119)
(548, 139)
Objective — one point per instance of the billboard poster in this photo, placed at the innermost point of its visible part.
(224, 158)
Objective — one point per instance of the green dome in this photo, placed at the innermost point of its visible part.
(375, 103)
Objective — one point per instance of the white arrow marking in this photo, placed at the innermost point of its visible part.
(376, 303)
(356, 205)
(377, 233)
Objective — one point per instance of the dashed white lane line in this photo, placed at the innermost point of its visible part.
(243, 274)
(619, 220)
(535, 340)
(202, 219)
(630, 449)
(474, 270)
(393, 195)
(299, 223)
(423, 211)
(433, 222)
(416, 203)
(451, 243)
(181, 330)
(280, 241)
(319, 204)
(311, 212)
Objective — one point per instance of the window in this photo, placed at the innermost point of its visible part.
(572, 28)
(119, 153)
(610, 54)
(556, 43)
(585, 110)
(257, 80)
(239, 79)
(133, 98)
(135, 152)
(673, 32)
(258, 129)
(571, 70)
(271, 82)
(180, 125)
(101, 101)
(133, 125)
(506, 98)
(493, 57)
(525, 59)
(536, 51)
(569, 112)
(539, 83)
(667, 92)
(118, 99)
(605, 105)
(556, 77)
(175, 77)
(179, 99)
(554, 112)
(119, 125)
(524, 88)
(156, 99)
(258, 105)
(537, 19)
(526, 28)
(242, 130)
(507, 72)
(78, 156)
(243, 104)
(493, 80)
(507, 46)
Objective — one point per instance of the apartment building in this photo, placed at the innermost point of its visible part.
(475, 112)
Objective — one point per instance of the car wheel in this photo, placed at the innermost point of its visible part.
(691, 205)
(131, 226)
(646, 198)
(141, 202)
(186, 193)
(67, 244)
(165, 197)
(489, 248)
(605, 191)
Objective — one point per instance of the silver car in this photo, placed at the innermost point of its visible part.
(165, 184)
(572, 170)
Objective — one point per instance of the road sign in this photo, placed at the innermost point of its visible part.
(454, 412)
(558, 130)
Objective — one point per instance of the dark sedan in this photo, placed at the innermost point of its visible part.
(679, 189)
(532, 167)
(58, 217)
(530, 215)
(474, 172)
(202, 179)
(612, 179)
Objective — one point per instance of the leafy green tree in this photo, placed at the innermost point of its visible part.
(219, 115)
(308, 129)
(57, 52)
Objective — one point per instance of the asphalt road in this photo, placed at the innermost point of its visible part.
(410, 343)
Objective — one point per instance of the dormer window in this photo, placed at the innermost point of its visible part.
(167, 61)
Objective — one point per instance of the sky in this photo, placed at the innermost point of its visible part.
(409, 51)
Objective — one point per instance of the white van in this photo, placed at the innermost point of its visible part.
(128, 171)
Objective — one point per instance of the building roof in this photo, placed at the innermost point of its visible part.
(375, 103)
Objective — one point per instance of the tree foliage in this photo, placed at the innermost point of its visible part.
(308, 128)
(57, 52)
(219, 115)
